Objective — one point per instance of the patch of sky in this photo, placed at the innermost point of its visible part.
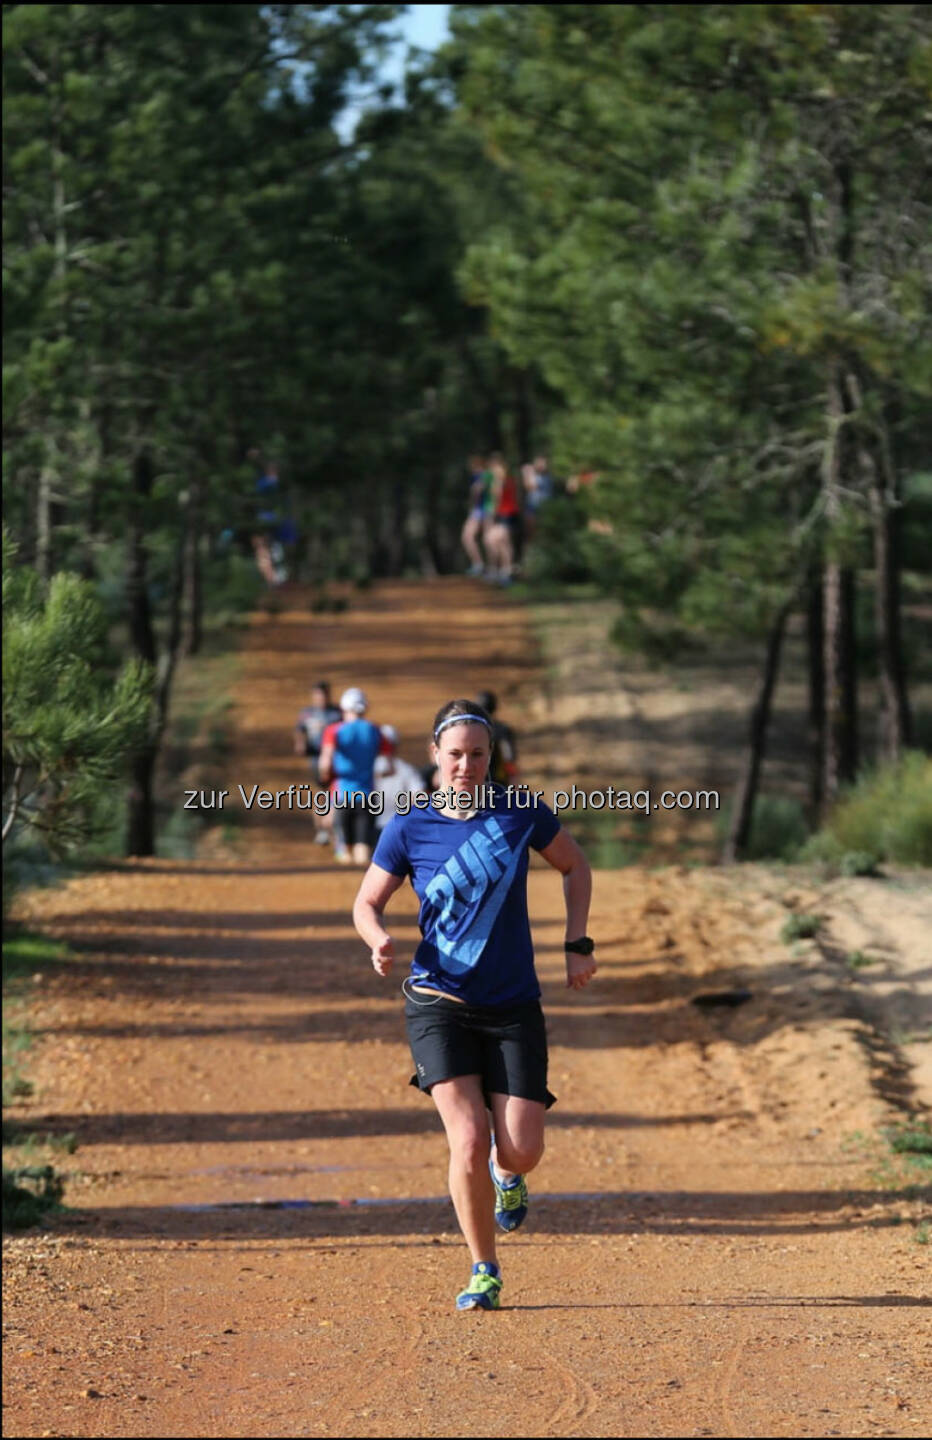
(421, 27)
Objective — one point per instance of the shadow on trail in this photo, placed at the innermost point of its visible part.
(185, 965)
(213, 922)
(742, 1302)
(221, 1128)
(686, 1213)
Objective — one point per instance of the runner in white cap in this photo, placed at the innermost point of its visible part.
(393, 776)
(347, 756)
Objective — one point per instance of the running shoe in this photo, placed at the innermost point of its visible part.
(481, 1293)
(511, 1200)
(341, 855)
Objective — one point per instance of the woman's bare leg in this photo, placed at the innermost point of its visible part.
(462, 1109)
(470, 538)
(519, 1134)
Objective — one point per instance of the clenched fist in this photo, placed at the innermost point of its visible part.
(383, 956)
(579, 970)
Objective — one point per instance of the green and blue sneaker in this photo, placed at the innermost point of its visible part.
(483, 1289)
(510, 1200)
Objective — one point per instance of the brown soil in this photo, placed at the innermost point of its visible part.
(718, 1242)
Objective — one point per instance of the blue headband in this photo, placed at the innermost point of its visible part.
(462, 720)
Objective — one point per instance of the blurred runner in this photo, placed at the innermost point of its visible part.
(505, 534)
(538, 488)
(347, 758)
(267, 519)
(504, 767)
(393, 776)
(308, 738)
(476, 525)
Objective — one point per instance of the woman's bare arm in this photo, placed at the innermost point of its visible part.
(565, 855)
(377, 888)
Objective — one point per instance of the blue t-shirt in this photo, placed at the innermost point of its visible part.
(471, 879)
(356, 745)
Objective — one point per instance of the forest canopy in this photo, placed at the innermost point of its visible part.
(683, 249)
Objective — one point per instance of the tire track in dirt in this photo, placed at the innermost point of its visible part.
(580, 1403)
(731, 1424)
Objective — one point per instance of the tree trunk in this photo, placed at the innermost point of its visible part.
(895, 719)
(169, 658)
(838, 639)
(140, 837)
(850, 738)
(48, 473)
(431, 549)
(840, 752)
(137, 577)
(140, 823)
(44, 515)
(104, 425)
(193, 600)
(740, 828)
(816, 666)
(398, 511)
(140, 826)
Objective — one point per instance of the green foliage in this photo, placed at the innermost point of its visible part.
(233, 586)
(559, 552)
(912, 1139)
(885, 816)
(778, 827)
(24, 952)
(67, 728)
(857, 960)
(30, 1192)
(715, 213)
(800, 927)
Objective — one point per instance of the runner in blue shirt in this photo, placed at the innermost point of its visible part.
(348, 752)
(472, 1000)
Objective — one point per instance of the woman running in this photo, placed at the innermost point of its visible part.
(477, 521)
(504, 539)
(472, 1000)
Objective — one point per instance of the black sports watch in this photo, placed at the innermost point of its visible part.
(583, 946)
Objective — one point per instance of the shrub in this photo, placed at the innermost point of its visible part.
(557, 553)
(28, 1194)
(778, 828)
(886, 815)
(800, 927)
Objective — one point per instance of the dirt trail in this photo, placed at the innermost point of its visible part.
(710, 1250)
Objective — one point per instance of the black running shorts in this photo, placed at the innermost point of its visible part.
(354, 826)
(505, 1046)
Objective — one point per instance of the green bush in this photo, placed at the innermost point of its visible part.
(69, 726)
(29, 1193)
(557, 552)
(778, 828)
(800, 927)
(887, 815)
(912, 1139)
(232, 584)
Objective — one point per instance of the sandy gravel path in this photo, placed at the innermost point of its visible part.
(715, 1246)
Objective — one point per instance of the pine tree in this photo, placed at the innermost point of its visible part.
(725, 282)
(67, 728)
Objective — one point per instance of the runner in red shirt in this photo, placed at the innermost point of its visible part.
(505, 534)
